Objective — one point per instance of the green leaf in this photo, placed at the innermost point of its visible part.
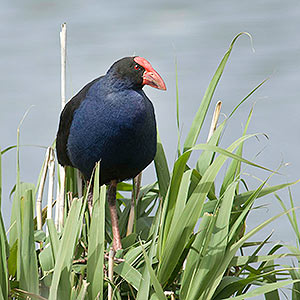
(4, 248)
(239, 261)
(233, 249)
(234, 169)
(202, 111)
(264, 289)
(242, 198)
(12, 259)
(161, 167)
(48, 256)
(204, 282)
(157, 287)
(195, 253)
(177, 111)
(3, 255)
(230, 287)
(47, 264)
(182, 193)
(96, 241)
(53, 236)
(7, 149)
(129, 273)
(29, 280)
(295, 274)
(144, 287)
(39, 236)
(15, 219)
(180, 229)
(206, 157)
(60, 287)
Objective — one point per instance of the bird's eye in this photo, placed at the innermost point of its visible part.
(137, 67)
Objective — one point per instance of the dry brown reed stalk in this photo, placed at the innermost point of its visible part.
(214, 120)
(110, 273)
(51, 166)
(60, 199)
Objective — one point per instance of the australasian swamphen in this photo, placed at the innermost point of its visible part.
(111, 120)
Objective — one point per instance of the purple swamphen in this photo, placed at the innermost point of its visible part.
(111, 120)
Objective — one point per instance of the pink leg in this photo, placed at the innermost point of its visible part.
(111, 197)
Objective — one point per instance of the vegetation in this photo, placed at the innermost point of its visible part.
(188, 237)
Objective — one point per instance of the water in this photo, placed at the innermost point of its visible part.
(198, 33)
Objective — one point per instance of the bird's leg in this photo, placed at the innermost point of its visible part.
(111, 197)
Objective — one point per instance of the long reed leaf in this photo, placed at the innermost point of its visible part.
(60, 287)
(96, 241)
(161, 167)
(29, 280)
(202, 111)
(264, 289)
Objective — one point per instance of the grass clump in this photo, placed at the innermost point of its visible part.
(187, 240)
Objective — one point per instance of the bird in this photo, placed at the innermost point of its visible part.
(111, 120)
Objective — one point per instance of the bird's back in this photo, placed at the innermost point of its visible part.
(65, 122)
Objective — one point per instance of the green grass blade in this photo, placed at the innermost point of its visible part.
(144, 287)
(0, 178)
(205, 279)
(272, 295)
(181, 228)
(230, 287)
(169, 203)
(206, 157)
(157, 287)
(177, 111)
(192, 212)
(179, 168)
(15, 219)
(53, 236)
(193, 256)
(96, 241)
(129, 273)
(239, 261)
(3, 247)
(242, 198)
(295, 274)
(161, 167)
(241, 216)
(182, 193)
(60, 286)
(3, 263)
(233, 249)
(292, 219)
(244, 99)
(202, 111)
(29, 280)
(235, 166)
(48, 256)
(267, 288)
(46, 262)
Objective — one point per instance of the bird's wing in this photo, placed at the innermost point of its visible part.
(66, 118)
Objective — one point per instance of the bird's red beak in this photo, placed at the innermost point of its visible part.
(150, 76)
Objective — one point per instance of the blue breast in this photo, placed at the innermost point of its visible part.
(115, 125)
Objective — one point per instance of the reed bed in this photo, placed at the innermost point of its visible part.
(183, 236)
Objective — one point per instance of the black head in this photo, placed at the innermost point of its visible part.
(135, 72)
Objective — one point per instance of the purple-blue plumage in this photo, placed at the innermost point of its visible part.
(111, 120)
